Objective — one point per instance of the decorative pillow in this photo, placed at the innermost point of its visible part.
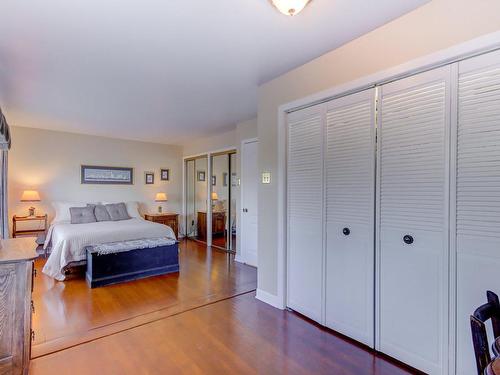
(117, 211)
(82, 215)
(100, 212)
(62, 209)
(132, 209)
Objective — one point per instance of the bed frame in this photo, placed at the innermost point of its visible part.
(130, 265)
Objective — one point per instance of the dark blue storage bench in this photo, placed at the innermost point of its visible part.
(130, 265)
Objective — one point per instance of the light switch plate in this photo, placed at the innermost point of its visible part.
(266, 177)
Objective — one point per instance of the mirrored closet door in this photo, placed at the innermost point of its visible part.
(196, 197)
(223, 200)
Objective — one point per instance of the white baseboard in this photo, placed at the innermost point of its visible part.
(237, 258)
(270, 299)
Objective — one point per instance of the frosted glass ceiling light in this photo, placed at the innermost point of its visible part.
(290, 7)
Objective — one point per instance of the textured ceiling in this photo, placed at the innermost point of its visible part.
(163, 71)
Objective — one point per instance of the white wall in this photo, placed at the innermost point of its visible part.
(437, 25)
(49, 161)
(217, 142)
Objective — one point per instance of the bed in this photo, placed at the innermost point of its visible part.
(68, 241)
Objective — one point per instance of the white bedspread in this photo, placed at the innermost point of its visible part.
(68, 240)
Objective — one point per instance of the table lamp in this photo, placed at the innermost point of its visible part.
(30, 196)
(215, 198)
(161, 197)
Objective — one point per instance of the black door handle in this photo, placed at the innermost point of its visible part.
(346, 231)
(408, 239)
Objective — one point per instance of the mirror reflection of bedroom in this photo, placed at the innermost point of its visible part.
(223, 197)
(212, 196)
(196, 198)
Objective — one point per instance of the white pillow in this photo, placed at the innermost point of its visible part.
(132, 208)
(62, 209)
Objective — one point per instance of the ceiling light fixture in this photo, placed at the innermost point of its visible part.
(290, 7)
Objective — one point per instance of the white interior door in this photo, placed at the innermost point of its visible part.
(413, 223)
(477, 195)
(350, 195)
(249, 189)
(305, 253)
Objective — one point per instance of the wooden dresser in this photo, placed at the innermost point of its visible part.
(218, 224)
(170, 219)
(16, 286)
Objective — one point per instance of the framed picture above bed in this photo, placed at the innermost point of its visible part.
(149, 178)
(96, 174)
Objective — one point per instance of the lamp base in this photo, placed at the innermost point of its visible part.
(160, 210)
(31, 211)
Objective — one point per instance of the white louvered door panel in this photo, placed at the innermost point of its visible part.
(305, 211)
(477, 195)
(350, 187)
(413, 201)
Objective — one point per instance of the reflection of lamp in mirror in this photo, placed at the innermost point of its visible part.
(30, 196)
(161, 197)
(215, 198)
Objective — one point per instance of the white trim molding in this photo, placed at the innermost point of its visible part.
(471, 48)
(270, 299)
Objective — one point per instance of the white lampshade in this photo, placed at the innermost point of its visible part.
(30, 196)
(290, 7)
(161, 197)
(214, 196)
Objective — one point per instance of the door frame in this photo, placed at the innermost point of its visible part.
(239, 249)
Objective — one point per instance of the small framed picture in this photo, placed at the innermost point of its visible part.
(165, 174)
(201, 175)
(149, 178)
(214, 180)
(224, 179)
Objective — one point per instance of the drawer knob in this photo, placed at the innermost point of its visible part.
(408, 239)
(346, 231)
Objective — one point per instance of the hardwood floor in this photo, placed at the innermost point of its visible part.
(220, 241)
(239, 335)
(68, 313)
(206, 320)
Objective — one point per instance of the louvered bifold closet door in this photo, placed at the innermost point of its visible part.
(350, 194)
(477, 195)
(305, 212)
(413, 203)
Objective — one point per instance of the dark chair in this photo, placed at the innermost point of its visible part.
(490, 310)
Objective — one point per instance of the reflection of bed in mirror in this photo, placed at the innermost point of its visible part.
(218, 224)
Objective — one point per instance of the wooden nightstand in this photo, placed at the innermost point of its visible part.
(170, 219)
(28, 232)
